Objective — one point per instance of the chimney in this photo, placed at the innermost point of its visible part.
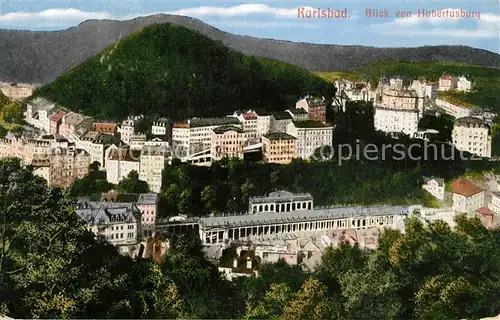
(235, 263)
(249, 263)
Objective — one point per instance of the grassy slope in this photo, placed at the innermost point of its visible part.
(175, 72)
(487, 80)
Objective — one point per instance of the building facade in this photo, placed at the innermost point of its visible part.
(464, 84)
(447, 82)
(434, 186)
(396, 120)
(279, 147)
(467, 197)
(315, 108)
(120, 162)
(454, 110)
(227, 142)
(310, 135)
(152, 163)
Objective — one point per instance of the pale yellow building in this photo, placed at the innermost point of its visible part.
(227, 141)
(279, 147)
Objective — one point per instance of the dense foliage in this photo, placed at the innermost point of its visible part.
(51, 267)
(486, 80)
(172, 71)
(11, 115)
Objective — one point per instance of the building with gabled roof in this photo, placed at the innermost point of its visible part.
(434, 186)
(310, 135)
(467, 197)
(120, 162)
(227, 142)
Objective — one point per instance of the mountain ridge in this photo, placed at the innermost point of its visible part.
(41, 56)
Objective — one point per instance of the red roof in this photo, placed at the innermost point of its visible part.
(181, 125)
(485, 211)
(57, 117)
(487, 217)
(446, 77)
(249, 116)
(465, 187)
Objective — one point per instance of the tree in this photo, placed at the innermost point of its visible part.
(185, 201)
(209, 198)
(132, 184)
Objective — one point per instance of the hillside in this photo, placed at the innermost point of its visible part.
(172, 71)
(487, 80)
(43, 56)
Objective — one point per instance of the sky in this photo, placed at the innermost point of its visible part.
(285, 20)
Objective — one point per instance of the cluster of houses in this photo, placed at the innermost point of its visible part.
(399, 108)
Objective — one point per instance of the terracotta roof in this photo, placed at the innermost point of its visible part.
(487, 217)
(465, 187)
(181, 125)
(446, 77)
(57, 117)
(104, 127)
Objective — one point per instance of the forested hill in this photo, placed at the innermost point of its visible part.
(173, 71)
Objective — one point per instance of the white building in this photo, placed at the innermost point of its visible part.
(280, 121)
(160, 127)
(454, 110)
(472, 135)
(434, 186)
(196, 135)
(264, 124)
(464, 84)
(431, 90)
(227, 142)
(396, 120)
(120, 162)
(137, 141)
(248, 120)
(95, 144)
(447, 82)
(467, 197)
(298, 114)
(127, 130)
(37, 113)
(118, 223)
(280, 201)
(494, 204)
(424, 134)
(396, 82)
(151, 168)
(310, 135)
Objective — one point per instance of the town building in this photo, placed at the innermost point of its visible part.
(396, 111)
(464, 84)
(95, 143)
(245, 264)
(488, 218)
(447, 82)
(105, 127)
(298, 114)
(264, 123)
(160, 127)
(315, 108)
(126, 130)
(37, 113)
(280, 201)
(396, 82)
(310, 135)
(434, 186)
(70, 121)
(227, 142)
(120, 162)
(431, 89)
(198, 136)
(280, 121)
(467, 197)
(424, 134)
(472, 135)
(147, 203)
(152, 163)
(455, 109)
(279, 147)
(137, 141)
(248, 120)
(56, 121)
(17, 91)
(117, 223)
(158, 142)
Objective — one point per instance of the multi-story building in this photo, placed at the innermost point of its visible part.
(120, 162)
(118, 223)
(315, 108)
(494, 204)
(105, 127)
(152, 163)
(227, 142)
(248, 120)
(464, 84)
(280, 201)
(310, 135)
(69, 122)
(467, 197)
(55, 122)
(447, 82)
(472, 135)
(137, 141)
(279, 147)
(17, 91)
(396, 82)
(68, 165)
(454, 109)
(199, 134)
(434, 186)
(298, 114)
(264, 123)
(37, 113)
(280, 121)
(431, 89)
(160, 127)
(148, 205)
(95, 143)
(126, 130)
(396, 110)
